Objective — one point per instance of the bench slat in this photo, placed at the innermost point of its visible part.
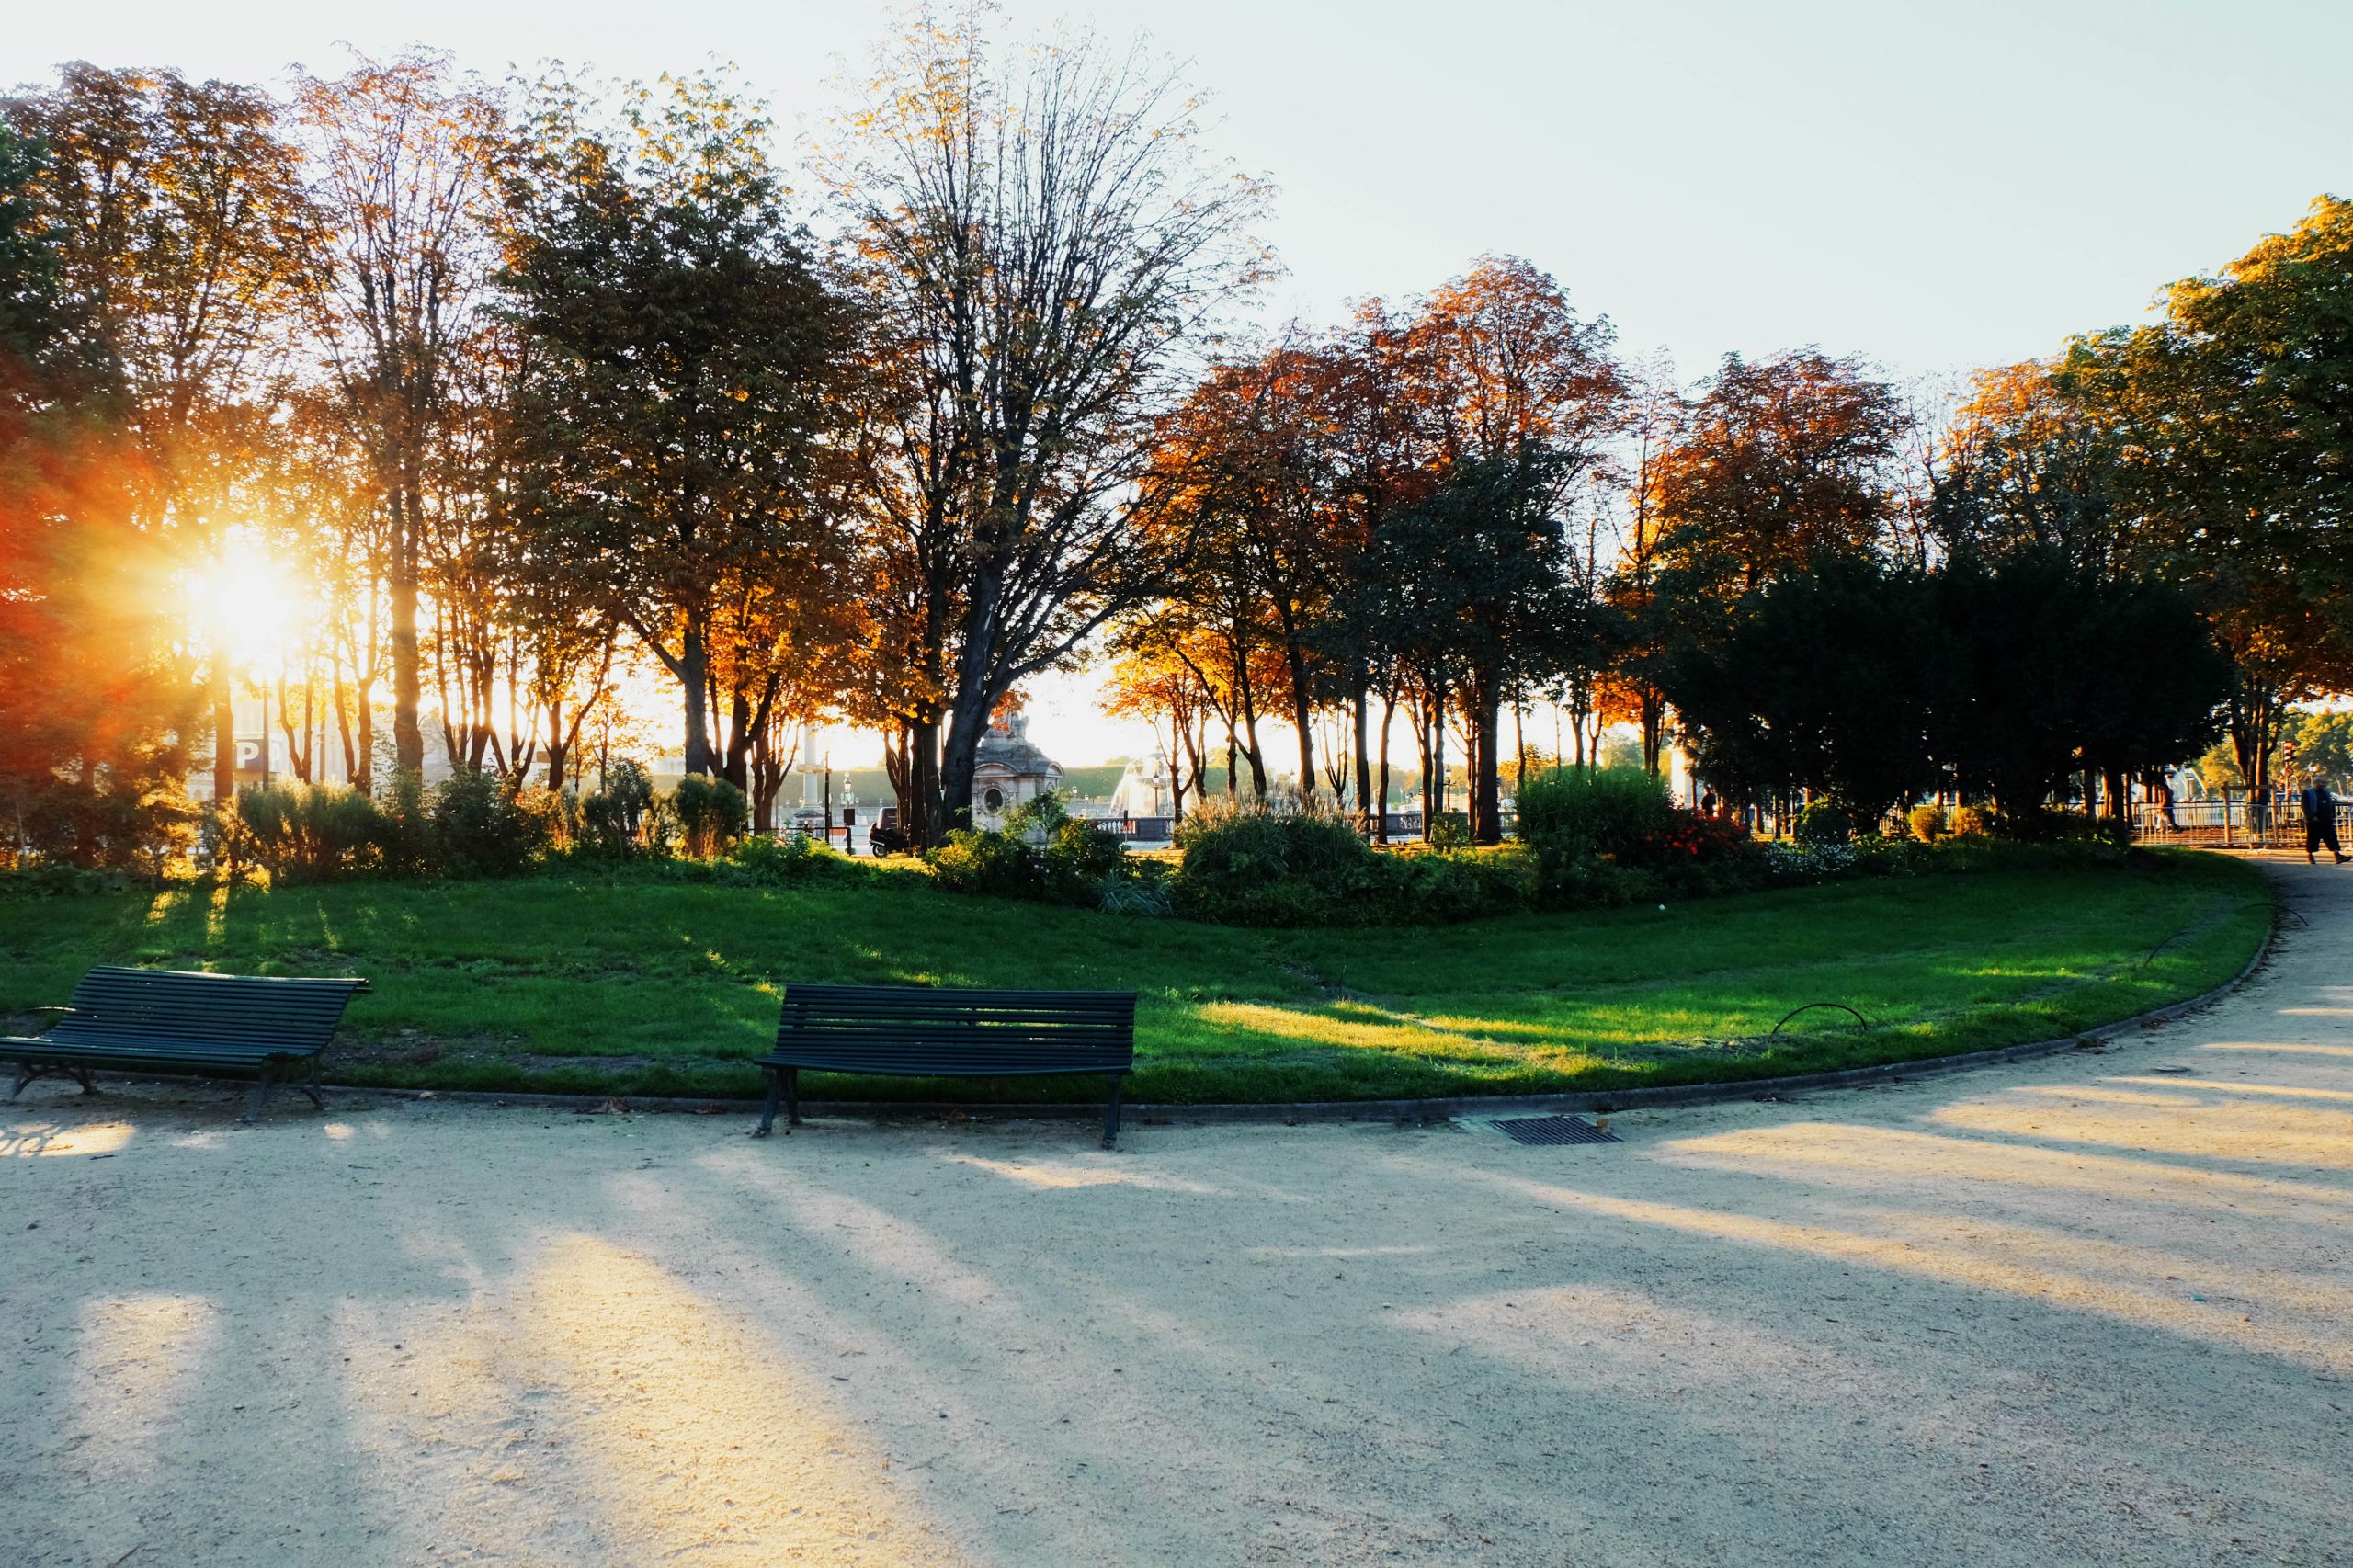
(952, 1031)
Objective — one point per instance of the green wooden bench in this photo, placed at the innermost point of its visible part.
(942, 1032)
(154, 1020)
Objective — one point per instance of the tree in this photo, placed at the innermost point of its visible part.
(1778, 463)
(181, 224)
(1828, 677)
(1039, 241)
(2237, 435)
(93, 695)
(685, 349)
(403, 155)
(1524, 396)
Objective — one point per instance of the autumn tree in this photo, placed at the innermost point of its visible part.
(93, 697)
(182, 226)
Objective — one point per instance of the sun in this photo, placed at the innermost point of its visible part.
(247, 604)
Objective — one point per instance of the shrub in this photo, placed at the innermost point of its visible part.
(1451, 830)
(1928, 823)
(481, 829)
(1084, 852)
(711, 813)
(406, 839)
(613, 820)
(1246, 866)
(994, 864)
(303, 831)
(1573, 813)
(1822, 823)
(1970, 822)
(767, 858)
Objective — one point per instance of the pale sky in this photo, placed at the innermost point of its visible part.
(1933, 185)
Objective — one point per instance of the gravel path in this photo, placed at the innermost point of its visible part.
(2095, 1309)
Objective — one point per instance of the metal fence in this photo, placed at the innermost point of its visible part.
(2233, 823)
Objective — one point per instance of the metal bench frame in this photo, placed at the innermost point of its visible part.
(948, 1032)
(172, 1021)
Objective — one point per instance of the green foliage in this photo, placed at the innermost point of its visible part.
(408, 840)
(481, 829)
(1451, 830)
(1928, 823)
(308, 831)
(788, 859)
(989, 863)
(1972, 822)
(1575, 814)
(614, 821)
(1071, 861)
(1822, 823)
(712, 815)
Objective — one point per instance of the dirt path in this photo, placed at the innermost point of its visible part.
(2091, 1309)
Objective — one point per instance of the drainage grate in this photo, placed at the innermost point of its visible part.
(1551, 1130)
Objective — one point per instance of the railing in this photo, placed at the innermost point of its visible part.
(2233, 823)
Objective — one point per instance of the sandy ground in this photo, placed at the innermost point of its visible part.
(2090, 1310)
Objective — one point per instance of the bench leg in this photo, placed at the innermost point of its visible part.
(768, 1112)
(309, 1085)
(262, 1085)
(791, 1099)
(29, 1070)
(1111, 1112)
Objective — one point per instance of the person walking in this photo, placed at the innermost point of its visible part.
(2320, 820)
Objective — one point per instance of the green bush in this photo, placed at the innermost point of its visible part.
(993, 864)
(1822, 823)
(1575, 814)
(407, 841)
(1928, 822)
(782, 858)
(1970, 822)
(711, 813)
(304, 832)
(1450, 830)
(481, 829)
(615, 818)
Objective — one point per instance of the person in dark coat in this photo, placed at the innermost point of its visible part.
(2320, 821)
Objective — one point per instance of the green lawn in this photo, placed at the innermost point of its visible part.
(634, 984)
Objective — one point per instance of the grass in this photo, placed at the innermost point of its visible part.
(631, 983)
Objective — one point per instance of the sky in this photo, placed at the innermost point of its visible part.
(1934, 187)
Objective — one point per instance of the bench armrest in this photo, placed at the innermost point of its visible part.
(48, 1009)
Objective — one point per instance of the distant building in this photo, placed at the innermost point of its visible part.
(1007, 770)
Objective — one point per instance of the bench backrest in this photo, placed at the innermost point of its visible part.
(908, 1029)
(166, 1006)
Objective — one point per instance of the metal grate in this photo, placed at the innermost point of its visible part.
(1551, 1130)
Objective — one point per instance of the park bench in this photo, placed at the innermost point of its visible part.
(152, 1021)
(939, 1032)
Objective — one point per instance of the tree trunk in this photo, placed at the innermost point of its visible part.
(1486, 765)
(408, 739)
(225, 729)
(1380, 806)
(1362, 717)
(693, 669)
